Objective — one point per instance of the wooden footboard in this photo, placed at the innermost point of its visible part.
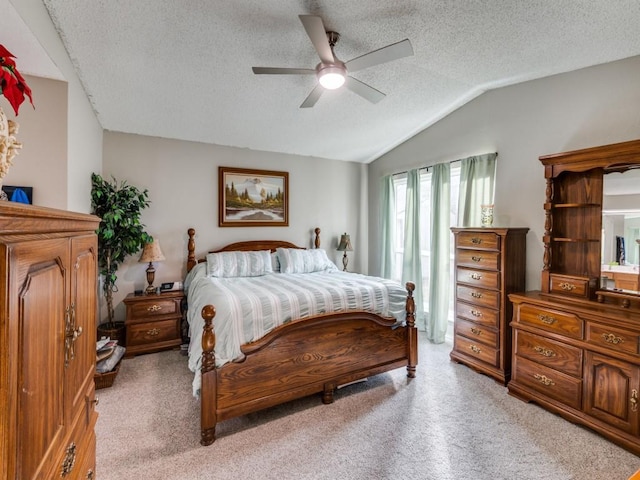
(300, 358)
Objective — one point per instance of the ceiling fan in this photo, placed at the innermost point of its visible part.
(331, 72)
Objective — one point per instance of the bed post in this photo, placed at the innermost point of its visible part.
(412, 332)
(317, 239)
(208, 388)
(191, 248)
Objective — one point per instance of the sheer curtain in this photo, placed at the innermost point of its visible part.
(387, 212)
(439, 283)
(411, 260)
(477, 180)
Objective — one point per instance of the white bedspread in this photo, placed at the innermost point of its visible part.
(247, 308)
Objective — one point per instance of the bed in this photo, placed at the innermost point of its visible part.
(293, 357)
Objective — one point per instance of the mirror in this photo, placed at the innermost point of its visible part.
(620, 256)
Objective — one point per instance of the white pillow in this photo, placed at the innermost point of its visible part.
(294, 260)
(239, 264)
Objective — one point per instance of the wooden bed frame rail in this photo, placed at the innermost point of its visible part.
(297, 359)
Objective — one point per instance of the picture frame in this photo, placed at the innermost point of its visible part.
(252, 198)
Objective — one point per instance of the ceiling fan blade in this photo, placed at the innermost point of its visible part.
(382, 55)
(365, 91)
(282, 71)
(318, 35)
(313, 97)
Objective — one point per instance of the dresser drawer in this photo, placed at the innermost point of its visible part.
(556, 355)
(479, 240)
(559, 386)
(153, 306)
(569, 285)
(476, 332)
(624, 341)
(481, 315)
(479, 278)
(478, 259)
(153, 332)
(478, 296)
(551, 320)
(476, 349)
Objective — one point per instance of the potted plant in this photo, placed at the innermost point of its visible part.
(120, 234)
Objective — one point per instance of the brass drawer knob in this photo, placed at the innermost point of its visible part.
(476, 331)
(548, 319)
(634, 400)
(543, 379)
(154, 308)
(476, 294)
(611, 338)
(476, 313)
(69, 460)
(545, 352)
(475, 276)
(567, 286)
(153, 332)
(476, 259)
(474, 349)
(476, 241)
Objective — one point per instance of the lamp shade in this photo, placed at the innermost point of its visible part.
(345, 244)
(151, 252)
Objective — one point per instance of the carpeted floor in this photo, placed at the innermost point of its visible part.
(448, 423)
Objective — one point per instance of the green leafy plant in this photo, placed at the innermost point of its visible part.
(120, 233)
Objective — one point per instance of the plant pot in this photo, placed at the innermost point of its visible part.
(115, 331)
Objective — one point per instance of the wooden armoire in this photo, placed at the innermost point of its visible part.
(48, 287)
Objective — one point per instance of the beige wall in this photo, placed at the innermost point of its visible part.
(42, 161)
(182, 179)
(585, 108)
(75, 119)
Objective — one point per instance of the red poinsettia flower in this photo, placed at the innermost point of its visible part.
(12, 84)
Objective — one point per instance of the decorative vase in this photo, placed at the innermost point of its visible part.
(9, 147)
(486, 215)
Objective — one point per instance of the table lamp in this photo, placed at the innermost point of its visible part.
(345, 246)
(151, 253)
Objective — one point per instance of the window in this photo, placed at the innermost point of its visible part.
(400, 184)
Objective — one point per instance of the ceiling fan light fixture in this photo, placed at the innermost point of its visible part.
(331, 77)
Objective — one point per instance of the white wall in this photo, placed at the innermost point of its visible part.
(182, 179)
(83, 132)
(585, 108)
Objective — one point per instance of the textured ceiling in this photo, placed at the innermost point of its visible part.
(182, 69)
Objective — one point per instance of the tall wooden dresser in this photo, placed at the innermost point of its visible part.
(490, 264)
(577, 345)
(48, 286)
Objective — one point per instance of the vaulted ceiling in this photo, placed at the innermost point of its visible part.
(183, 69)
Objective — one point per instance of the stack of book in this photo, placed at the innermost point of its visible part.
(108, 356)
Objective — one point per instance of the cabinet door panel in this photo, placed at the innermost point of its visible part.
(81, 352)
(41, 287)
(611, 386)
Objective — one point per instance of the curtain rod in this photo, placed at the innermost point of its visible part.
(429, 166)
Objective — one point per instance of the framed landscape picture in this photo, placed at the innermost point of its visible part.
(252, 198)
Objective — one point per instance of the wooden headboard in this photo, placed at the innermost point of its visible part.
(251, 245)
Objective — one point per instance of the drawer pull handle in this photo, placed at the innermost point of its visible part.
(476, 241)
(476, 259)
(474, 349)
(548, 319)
(567, 286)
(69, 460)
(634, 400)
(543, 379)
(476, 313)
(91, 475)
(475, 276)
(611, 338)
(476, 331)
(154, 308)
(545, 352)
(153, 332)
(476, 294)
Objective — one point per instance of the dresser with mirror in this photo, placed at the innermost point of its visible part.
(576, 341)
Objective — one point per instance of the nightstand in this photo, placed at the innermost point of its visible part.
(153, 322)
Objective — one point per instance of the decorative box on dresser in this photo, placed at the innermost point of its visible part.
(489, 264)
(153, 322)
(48, 285)
(576, 347)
